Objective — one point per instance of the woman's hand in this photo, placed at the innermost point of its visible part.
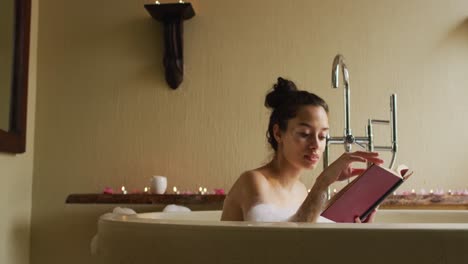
(369, 219)
(341, 168)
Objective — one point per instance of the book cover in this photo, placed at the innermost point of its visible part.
(361, 196)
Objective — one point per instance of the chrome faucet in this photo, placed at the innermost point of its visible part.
(337, 63)
(348, 139)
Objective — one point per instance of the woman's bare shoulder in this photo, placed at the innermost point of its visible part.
(250, 184)
(247, 190)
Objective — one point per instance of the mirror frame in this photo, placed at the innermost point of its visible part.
(14, 140)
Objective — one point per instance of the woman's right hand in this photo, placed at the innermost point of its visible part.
(341, 168)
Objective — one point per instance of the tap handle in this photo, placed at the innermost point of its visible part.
(393, 110)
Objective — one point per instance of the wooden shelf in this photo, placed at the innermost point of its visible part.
(143, 198)
(429, 201)
(447, 202)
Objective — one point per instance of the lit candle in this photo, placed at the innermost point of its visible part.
(431, 191)
(200, 190)
(308, 190)
(123, 190)
(157, 2)
(449, 192)
(146, 189)
(181, 2)
(205, 190)
(413, 191)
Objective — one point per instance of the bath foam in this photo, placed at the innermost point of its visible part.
(271, 213)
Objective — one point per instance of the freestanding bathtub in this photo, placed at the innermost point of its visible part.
(397, 236)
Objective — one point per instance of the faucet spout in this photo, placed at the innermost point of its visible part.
(338, 62)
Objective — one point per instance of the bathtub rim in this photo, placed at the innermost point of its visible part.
(130, 220)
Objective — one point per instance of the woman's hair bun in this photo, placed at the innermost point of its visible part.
(281, 90)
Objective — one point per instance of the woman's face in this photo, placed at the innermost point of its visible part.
(304, 140)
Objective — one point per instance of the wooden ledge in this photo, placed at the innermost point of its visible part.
(412, 201)
(145, 198)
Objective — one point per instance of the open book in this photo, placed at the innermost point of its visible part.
(361, 196)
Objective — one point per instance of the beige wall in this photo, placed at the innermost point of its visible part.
(16, 177)
(105, 116)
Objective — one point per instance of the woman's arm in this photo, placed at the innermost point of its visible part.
(313, 204)
(340, 169)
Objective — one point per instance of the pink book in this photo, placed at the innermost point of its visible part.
(361, 196)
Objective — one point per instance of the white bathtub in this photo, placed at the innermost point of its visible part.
(398, 236)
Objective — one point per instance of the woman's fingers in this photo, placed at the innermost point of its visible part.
(355, 172)
(370, 218)
(361, 156)
(352, 158)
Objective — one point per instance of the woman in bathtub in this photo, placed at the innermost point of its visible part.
(297, 132)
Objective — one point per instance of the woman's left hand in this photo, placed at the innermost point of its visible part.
(369, 219)
(350, 172)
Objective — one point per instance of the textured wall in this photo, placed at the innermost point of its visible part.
(16, 177)
(105, 116)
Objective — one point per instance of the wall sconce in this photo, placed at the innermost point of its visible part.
(172, 16)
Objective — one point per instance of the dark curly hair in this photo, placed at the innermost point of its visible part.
(285, 100)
